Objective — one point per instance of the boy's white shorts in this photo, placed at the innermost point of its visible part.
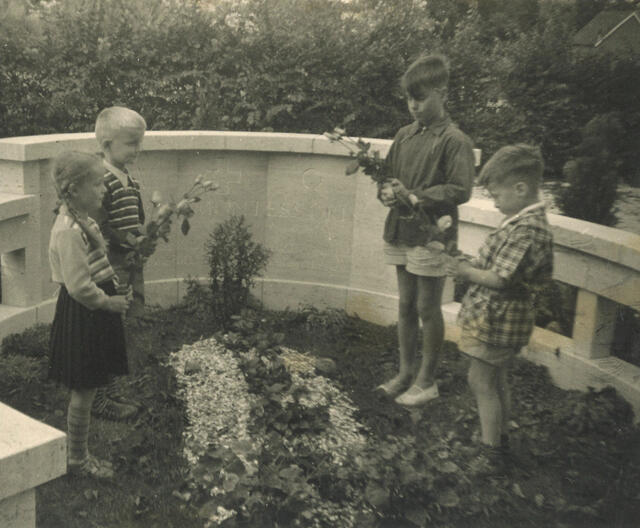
(418, 260)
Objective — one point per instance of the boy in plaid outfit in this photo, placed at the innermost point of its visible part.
(497, 314)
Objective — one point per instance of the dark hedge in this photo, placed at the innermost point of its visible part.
(309, 65)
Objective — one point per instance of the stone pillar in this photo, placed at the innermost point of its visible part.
(19, 177)
(20, 250)
(593, 326)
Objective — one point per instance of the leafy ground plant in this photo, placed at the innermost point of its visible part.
(294, 448)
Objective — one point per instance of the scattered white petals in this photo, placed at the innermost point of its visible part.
(218, 407)
(216, 398)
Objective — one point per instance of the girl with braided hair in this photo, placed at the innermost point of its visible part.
(87, 345)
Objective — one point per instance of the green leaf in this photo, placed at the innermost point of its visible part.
(185, 226)
(408, 474)
(276, 387)
(448, 467)
(230, 482)
(208, 509)
(417, 515)
(242, 447)
(448, 498)
(292, 472)
(517, 490)
(376, 495)
(352, 167)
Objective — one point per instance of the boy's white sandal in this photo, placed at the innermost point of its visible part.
(392, 387)
(416, 396)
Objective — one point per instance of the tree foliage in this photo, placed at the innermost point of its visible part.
(308, 65)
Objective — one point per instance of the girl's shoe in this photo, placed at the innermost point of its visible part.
(416, 396)
(91, 467)
(393, 387)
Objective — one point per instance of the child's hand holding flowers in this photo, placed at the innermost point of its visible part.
(373, 165)
(457, 266)
(387, 195)
(144, 245)
(401, 191)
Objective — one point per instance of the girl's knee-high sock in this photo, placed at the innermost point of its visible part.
(78, 421)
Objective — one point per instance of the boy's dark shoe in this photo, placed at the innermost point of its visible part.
(109, 409)
(490, 461)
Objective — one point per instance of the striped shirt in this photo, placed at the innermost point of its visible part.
(123, 209)
(75, 264)
(520, 251)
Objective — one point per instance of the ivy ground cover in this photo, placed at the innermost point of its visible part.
(274, 423)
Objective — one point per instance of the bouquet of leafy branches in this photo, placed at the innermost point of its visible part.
(142, 246)
(373, 165)
(370, 162)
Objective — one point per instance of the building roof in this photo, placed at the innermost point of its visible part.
(603, 25)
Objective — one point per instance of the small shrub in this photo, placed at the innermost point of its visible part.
(600, 411)
(592, 175)
(18, 372)
(33, 342)
(197, 299)
(235, 261)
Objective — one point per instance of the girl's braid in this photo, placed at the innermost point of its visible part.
(71, 167)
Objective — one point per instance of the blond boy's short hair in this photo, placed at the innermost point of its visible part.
(514, 163)
(114, 119)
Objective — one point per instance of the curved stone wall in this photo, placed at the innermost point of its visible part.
(323, 227)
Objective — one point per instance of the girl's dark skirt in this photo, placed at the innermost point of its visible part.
(87, 348)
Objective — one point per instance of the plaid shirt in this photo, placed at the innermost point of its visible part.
(521, 252)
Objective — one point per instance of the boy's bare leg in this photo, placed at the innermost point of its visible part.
(429, 307)
(408, 322)
(106, 403)
(483, 380)
(408, 326)
(504, 392)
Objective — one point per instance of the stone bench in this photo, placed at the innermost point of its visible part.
(31, 453)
